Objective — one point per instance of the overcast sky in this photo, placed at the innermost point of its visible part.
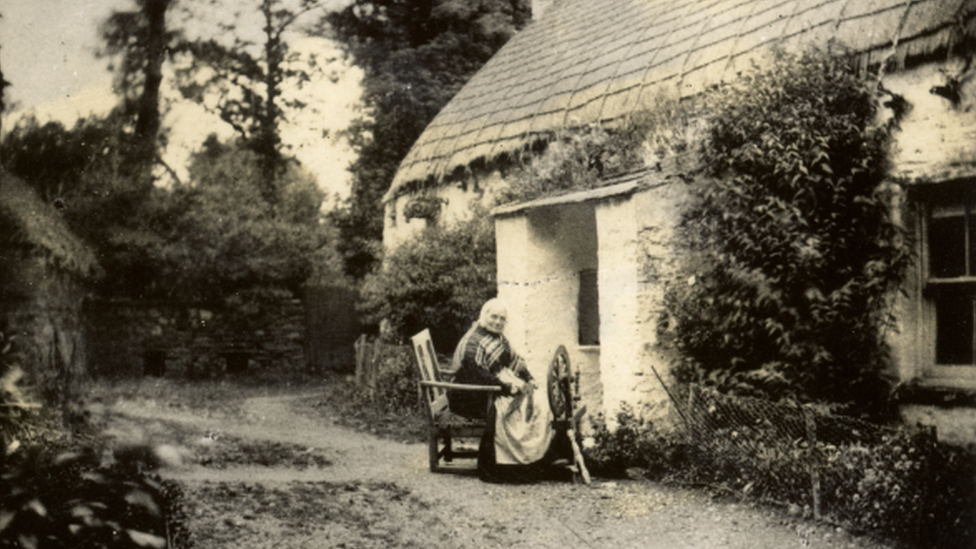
(47, 48)
(47, 53)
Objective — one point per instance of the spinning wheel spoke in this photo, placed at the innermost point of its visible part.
(559, 385)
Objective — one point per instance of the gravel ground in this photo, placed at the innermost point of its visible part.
(279, 471)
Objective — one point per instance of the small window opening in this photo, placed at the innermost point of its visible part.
(588, 308)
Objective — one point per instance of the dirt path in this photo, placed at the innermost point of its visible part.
(378, 493)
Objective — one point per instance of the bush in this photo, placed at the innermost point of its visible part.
(791, 254)
(635, 443)
(87, 499)
(15, 407)
(877, 487)
(900, 484)
(438, 281)
(396, 380)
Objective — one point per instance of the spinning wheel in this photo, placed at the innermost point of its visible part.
(562, 384)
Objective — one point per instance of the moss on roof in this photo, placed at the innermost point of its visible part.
(29, 221)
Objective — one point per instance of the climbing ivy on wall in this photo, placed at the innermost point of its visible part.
(791, 253)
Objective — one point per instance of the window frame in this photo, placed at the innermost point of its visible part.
(945, 195)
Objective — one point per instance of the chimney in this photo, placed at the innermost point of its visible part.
(539, 7)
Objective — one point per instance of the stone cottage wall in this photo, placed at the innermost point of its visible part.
(129, 338)
(659, 212)
(541, 255)
(637, 257)
(933, 145)
(41, 308)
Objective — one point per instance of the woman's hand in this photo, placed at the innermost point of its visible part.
(513, 384)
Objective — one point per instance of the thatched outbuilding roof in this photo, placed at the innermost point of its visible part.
(596, 61)
(27, 221)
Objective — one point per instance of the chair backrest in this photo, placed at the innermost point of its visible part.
(423, 349)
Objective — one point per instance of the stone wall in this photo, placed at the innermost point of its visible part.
(131, 338)
(40, 308)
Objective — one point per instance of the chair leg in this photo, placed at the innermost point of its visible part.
(448, 449)
(433, 454)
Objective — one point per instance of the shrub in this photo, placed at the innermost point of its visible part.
(635, 443)
(87, 499)
(897, 483)
(15, 406)
(791, 254)
(396, 380)
(438, 281)
(876, 487)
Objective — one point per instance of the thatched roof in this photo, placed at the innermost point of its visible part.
(596, 61)
(27, 221)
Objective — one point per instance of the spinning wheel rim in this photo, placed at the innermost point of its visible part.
(558, 384)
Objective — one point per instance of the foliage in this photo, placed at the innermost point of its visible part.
(86, 499)
(243, 82)
(898, 483)
(228, 451)
(879, 488)
(580, 160)
(218, 237)
(792, 254)
(634, 443)
(438, 280)
(141, 39)
(392, 410)
(84, 171)
(396, 380)
(416, 55)
(15, 405)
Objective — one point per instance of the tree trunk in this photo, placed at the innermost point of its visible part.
(147, 121)
(268, 138)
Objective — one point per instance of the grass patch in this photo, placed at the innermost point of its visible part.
(320, 514)
(232, 451)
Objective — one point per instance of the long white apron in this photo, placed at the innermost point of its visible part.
(523, 426)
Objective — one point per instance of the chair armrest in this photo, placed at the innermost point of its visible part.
(461, 386)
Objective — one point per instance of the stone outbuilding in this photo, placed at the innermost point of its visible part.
(584, 269)
(45, 271)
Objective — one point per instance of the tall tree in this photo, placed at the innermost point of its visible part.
(416, 55)
(140, 39)
(247, 81)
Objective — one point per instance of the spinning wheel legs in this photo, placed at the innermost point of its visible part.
(562, 384)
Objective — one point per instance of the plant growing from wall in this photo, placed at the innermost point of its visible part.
(586, 157)
(792, 254)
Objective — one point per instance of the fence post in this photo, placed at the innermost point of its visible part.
(692, 413)
(360, 346)
(811, 425)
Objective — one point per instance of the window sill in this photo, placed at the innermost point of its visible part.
(935, 392)
(594, 349)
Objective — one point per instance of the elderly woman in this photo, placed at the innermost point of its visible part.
(519, 442)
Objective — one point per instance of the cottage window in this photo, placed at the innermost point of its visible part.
(588, 308)
(952, 281)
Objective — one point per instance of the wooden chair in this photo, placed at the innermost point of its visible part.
(444, 426)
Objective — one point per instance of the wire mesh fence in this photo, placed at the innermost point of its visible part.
(825, 466)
